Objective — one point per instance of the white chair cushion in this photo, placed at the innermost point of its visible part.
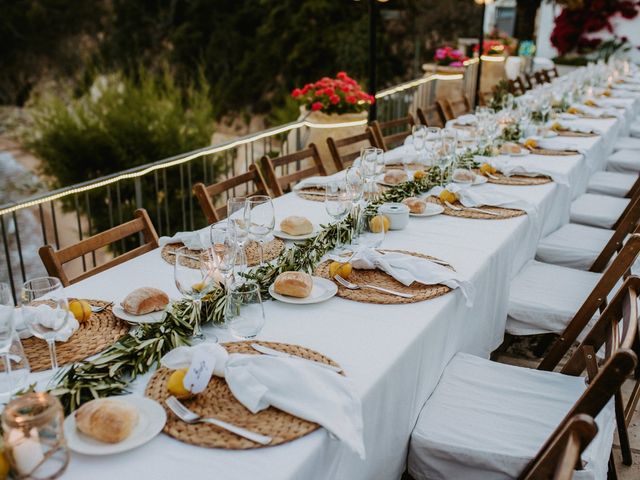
(634, 129)
(544, 297)
(597, 210)
(616, 184)
(573, 245)
(624, 143)
(624, 161)
(487, 420)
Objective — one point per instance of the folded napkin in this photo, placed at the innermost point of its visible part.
(408, 269)
(197, 240)
(509, 166)
(322, 181)
(42, 314)
(572, 127)
(468, 119)
(293, 385)
(595, 111)
(405, 153)
(560, 143)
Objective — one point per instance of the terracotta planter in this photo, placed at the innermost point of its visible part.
(442, 70)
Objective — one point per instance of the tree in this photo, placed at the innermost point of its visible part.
(526, 11)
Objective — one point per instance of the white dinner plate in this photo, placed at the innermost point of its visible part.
(431, 210)
(286, 236)
(151, 420)
(153, 317)
(322, 290)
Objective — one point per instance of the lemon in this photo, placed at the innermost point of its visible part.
(379, 223)
(175, 384)
(573, 110)
(447, 196)
(4, 466)
(530, 143)
(606, 93)
(340, 268)
(590, 103)
(487, 168)
(556, 127)
(419, 175)
(81, 309)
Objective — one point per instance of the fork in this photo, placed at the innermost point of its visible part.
(491, 175)
(96, 309)
(472, 209)
(353, 286)
(187, 416)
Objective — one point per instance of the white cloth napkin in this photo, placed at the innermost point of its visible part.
(572, 127)
(42, 314)
(468, 119)
(197, 240)
(404, 153)
(595, 111)
(320, 181)
(518, 166)
(294, 386)
(560, 143)
(408, 269)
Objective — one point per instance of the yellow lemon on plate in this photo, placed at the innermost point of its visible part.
(530, 143)
(487, 168)
(343, 269)
(447, 196)
(573, 110)
(606, 93)
(175, 384)
(379, 223)
(590, 103)
(556, 127)
(81, 309)
(419, 175)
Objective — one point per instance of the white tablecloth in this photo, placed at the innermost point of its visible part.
(395, 354)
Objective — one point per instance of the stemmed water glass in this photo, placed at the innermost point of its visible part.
(237, 221)
(223, 250)
(448, 145)
(244, 313)
(46, 291)
(194, 278)
(419, 136)
(260, 216)
(355, 183)
(372, 163)
(337, 203)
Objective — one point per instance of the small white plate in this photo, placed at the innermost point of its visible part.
(153, 317)
(286, 236)
(322, 290)
(431, 210)
(151, 420)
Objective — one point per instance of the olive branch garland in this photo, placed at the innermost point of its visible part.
(143, 347)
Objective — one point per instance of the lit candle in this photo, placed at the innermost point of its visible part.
(26, 450)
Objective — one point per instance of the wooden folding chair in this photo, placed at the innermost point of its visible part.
(248, 183)
(54, 260)
(530, 80)
(392, 133)
(279, 184)
(519, 87)
(561, 456)
(431, 116)
(454, 108)
(542, 76)
(343, 159)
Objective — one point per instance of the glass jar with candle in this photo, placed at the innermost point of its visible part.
(33, 436)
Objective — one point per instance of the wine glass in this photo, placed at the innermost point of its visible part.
(244, 312)
(43, 293)
(419, 136)
(448, 145)
(194, 277)
(355, 183)
(223, 250)
(261, 218)
(370, 159)
(337, 203)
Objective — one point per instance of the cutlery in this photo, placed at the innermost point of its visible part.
(472, 209)
(190, 257)
(96, 309)
(187, 416)
(491, 175)
(432, 260)
(353, 286)
(276, 353)
(311, 192)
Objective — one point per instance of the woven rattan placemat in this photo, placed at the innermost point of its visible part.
(502, 213)
(272, 249)
(569, 133)
(218, 401)
(381, 279)
(102, 330)
(553, 152)
(500, 179)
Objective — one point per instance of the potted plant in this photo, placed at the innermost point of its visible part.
(336, 101)
(448, 60)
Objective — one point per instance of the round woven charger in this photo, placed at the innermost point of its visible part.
(218, 401)
(102, 330)
(515, 180)
(381, 279)
(569, 133)
(271, 251)
(552, 152)
(592, 117)
(503, 213)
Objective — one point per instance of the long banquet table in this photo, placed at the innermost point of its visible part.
(393, 354)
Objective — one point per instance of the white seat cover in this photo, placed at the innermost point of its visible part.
(597, 210)
(544, 297)
(487, 420)
(624, 143)
(573, 245)
(634, 129)
(624, 161)
(616, 184)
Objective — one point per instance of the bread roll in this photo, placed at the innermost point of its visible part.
(107, 419)
(393, 177)
(145, 300)
(295, 225)
(293, 284)
(510, 148)
(416, 205)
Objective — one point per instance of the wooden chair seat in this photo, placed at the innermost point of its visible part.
(391, 134)
(54, 260)
(243, 185)
(345, 150)
(431, 116)
(282, 182)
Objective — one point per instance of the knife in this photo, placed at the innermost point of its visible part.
(276, 353)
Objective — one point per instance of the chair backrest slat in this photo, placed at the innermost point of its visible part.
(342, 160)
(283, 183)
(431, 116)
(395, 137)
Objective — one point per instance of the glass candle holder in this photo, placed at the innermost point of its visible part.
(33, 437)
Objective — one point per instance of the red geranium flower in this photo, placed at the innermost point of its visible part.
(315, 106)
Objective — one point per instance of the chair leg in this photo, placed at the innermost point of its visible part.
(506, 343)
(623, 434)
(612, 473)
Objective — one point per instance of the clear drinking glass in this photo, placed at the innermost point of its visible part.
(244, 313)
(449, 143)
(237, 217)
(355, 182)
(370, 160)
(261, 219)
(223, 250)
(46, 291)
(194, 277)
(337, 203)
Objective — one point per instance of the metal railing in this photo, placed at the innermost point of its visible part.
(67, 215)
